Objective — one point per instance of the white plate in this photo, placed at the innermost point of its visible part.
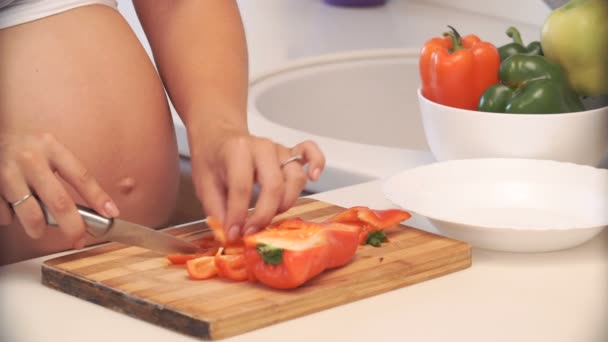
(518, 205)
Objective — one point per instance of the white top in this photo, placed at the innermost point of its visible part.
(15, 12)
(557, 297)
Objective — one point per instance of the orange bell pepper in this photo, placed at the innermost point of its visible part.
(456, 70)
(295, 251)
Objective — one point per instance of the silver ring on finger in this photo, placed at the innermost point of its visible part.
(20, 201)
(297, 158)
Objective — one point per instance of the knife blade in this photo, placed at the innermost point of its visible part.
(128, 233)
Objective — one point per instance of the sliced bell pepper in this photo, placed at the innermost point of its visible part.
(456, 70)
(179, 259)
(383, 218)
(517, 46)
(338, 233)
(227, 266)
(231, 267)
(343, 242)
(218, 229)
(208, 241)
(202, 267)
(234, 250)
(370, 221)
(296, 251)
(295, 222)
(290, 252)
(530, 85)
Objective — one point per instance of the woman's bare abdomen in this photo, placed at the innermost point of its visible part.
(83, 76)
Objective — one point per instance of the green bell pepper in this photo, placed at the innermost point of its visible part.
(517, 46)
(530, 85)
(576, 37)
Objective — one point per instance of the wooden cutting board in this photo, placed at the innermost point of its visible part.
(143, 284)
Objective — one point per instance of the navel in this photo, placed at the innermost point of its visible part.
(126, 185)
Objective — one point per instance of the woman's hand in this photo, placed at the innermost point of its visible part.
(37, 164)
(226, 166)
(201, 54)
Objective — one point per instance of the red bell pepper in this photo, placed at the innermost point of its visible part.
(372, 222)
(295, 251)
(292, 251)
(455, 70)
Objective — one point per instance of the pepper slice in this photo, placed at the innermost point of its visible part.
(296, 251)
(180, 259)
(218, 229)
(208, 241)
(371, 220)
(231, 266)
(202, 268)
(383, 218)
(234, 249)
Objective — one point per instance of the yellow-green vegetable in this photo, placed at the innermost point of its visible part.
(575, 36)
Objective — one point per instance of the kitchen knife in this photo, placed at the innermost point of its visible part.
(127, 232)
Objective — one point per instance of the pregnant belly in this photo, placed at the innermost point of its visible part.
(83, 76)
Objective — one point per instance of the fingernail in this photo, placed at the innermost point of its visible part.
(111, 209)
(234, 232)
(80, 243)
(316, 173)
(250, 230)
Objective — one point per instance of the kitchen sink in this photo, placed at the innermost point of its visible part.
(360, 107)
(367, 99)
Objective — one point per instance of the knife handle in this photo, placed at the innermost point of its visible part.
(97, 225)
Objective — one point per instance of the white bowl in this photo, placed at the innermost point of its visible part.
(517, 205)
(453, 133)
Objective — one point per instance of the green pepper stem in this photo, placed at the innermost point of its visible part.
(456, 39)
(514, 33)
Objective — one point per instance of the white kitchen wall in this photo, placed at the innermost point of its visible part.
(281, 30)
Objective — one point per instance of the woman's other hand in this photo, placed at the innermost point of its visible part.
(226, 167)
(36, 165)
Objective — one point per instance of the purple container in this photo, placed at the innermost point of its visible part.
(356, 3)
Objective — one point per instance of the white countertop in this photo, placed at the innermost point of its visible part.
(557, 297)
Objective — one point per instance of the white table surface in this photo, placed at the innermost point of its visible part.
(557, 297)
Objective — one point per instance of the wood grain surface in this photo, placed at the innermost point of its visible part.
(143, 284)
